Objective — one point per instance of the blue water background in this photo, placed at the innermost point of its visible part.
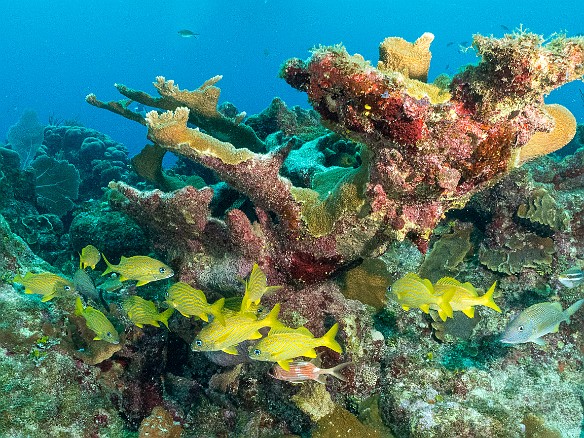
(55, 53)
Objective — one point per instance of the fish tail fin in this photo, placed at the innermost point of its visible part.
(78, 307)
(329, 339)
(272, 318)
(487, 299)
(444, 303)
(17, 279)
(163, 317)
(335, 372)
(109, 266)
(216, 310)
(573, 309)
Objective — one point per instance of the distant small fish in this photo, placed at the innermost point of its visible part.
(238, 328)
(450, 43)
(283, 344)
(143, 269)
(302, 371)
(89, 256)
(98, 323)
(144, 312)
(537, 321)
(185, 33)
(47, 284)
(504, 27)
(193, 302)
(573, 277)
(255, 288)
(84, 285)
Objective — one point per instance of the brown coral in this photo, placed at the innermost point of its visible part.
(159, 424)
(543, 143)
(543, 209)
(411, 59)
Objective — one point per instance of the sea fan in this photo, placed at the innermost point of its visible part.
(57, 184)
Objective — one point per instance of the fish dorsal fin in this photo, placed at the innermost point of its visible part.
(282, 329)
(123, 259)
(449, 281)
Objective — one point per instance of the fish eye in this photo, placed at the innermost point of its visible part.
(520, 328)
(67, 288)
(199, 343)
(108, 334)
(162, 270)
(257, 352)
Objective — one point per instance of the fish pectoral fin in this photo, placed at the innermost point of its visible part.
(139, 325)
(469, 311)
(141, 282)
(555, 328)
(122, 278)
(97, 338)
(425, 308)
(231, 350)
(28, 291)
(155, 324)
(47, 298)
(285, 364)
(406, 308)
(203, 316)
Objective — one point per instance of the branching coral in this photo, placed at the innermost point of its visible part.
(424, 150)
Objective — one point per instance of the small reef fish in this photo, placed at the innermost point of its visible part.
(193, 302)
(185, 33)
(573, 277)
(300, 371)
(413, 291)
(84, 285)
(537, 321)
(89, 256)
(238, 328)
(284, 344)
(233, 306)
(98, 323)
(142, 312)
(143, 269)
(47, 284)
(255, 288)
(465, 297)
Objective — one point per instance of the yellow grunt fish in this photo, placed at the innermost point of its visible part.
(98, 323)
(284, 344)
(412, 291)
(193, 302)
(238, 328)
(141, 312)
(89, 256)
(465, 297)
(47, 284)
(255, 288)
(143, 269)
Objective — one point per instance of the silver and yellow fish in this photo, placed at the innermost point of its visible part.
(537, 321)
(143, 269)
(255, 288)
(89, 256)
(284, 344)
(571, 278)
(98, 323)
(193, 302)
(413, 291)
(47, 284)
(238, 328)
(141, 312)
(301, 371)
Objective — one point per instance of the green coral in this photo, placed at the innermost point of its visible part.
(543, 209)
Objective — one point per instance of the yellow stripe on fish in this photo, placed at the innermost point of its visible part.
(193, 302)
(238, 328)
(143, 269)
(413, 291)
(89, 256)
(98, 323)
(141, 312)
(255, 288)
(47, 284)
(284, 344)
(465, 297)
